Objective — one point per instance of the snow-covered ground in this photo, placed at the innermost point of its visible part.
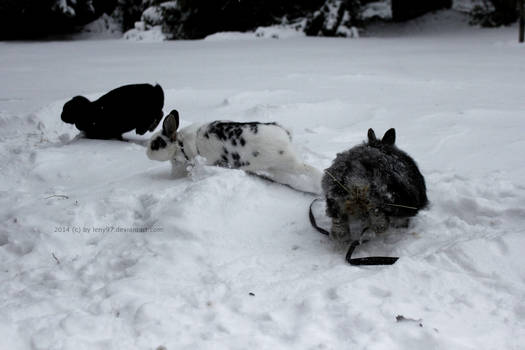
(229, 261)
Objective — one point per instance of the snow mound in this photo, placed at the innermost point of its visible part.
(152, 16)
(105, 27)
(377, 9)
(270, 32)
(280, 31)
(221, 36)
(141, 33)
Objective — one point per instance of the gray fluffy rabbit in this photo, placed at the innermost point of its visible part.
(374, 185)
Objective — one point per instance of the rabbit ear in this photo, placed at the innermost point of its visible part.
(371, 135)
(390, 137)
(171, 124)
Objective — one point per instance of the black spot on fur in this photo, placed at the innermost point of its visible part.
(225, 150)
(255, 153)
(216, 129)
(281, 152)
(222, 163)
(243, 142)
(234, 142)
(233, 131)
(157, 144)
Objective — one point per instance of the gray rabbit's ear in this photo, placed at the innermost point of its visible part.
(171, 124)
(371, 135)
(390, 137)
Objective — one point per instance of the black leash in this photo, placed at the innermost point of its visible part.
(372, 260)
(313, 222)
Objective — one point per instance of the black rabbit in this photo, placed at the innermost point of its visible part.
(374, 185)
(123, 109)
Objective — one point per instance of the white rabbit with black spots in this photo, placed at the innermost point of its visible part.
(264, 149)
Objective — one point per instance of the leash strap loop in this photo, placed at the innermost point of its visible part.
(370, 261)
(313, 222)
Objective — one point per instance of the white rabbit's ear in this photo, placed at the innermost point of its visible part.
(390, 137)
(171, 124)
(371, 136)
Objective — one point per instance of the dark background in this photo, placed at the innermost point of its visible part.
(195, 19)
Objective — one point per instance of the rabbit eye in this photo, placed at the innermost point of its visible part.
(158, 143)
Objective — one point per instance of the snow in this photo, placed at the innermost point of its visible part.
(64, 7)
(104, 27)
(377, 9)
(149, 28)
(143, 34)
(468, 5)
(223, 260)
(152, 16)
(284, 31)
(221, 36)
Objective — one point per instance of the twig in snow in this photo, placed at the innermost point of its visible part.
(56, 259)
(58, 196)
(401, 318)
